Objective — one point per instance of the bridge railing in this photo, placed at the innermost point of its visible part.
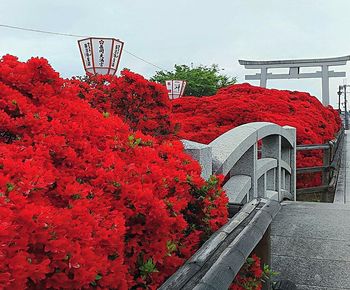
(258, 178)
(215, 265)
(330, 168)
(269, 172)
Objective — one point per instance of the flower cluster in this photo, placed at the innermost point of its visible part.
(204, 119)
(85, 200)
(252, 275)
(142, 104)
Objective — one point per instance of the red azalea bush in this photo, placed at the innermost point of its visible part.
(142, 104)
(251, 275)
(85, 201)
(204, 119)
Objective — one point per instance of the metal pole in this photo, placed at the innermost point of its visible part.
(346, 109)
(339, 94)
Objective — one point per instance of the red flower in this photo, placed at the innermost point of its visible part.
(204, 119)
(85, 199)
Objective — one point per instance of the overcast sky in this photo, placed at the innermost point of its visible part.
(168, 32)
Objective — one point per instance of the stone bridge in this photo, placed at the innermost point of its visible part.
(308, 243)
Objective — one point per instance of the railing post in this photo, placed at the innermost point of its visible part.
(292, 161)
(201, 153)
(246, 165)
(263, 251)
(271, 148)
(326, 172)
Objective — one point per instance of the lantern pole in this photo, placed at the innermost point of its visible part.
(346, 108)
(339, 94)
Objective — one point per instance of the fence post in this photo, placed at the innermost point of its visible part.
(326, 172)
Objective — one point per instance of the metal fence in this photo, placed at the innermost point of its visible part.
(330, 168)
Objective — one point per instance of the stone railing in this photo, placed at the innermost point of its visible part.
(217, 262)
(258, 160)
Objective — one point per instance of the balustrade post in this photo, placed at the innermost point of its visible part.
(326, 172)
(271, 148)
(202, 153)
(263, 251)
(291, 159)
(246, 165)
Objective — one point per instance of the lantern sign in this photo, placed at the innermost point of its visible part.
(175, 88)
(100, 55)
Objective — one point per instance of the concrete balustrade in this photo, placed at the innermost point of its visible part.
(259, 162)
(235, 154)
(258, 178)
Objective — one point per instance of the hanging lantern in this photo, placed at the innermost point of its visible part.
(100, 55)
(175, 88)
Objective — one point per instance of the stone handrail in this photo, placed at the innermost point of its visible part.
(217, 262)
(258, 178)
(269, 174)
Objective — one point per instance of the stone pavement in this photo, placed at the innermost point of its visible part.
(311, 245)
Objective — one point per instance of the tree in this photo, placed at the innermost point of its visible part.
(201, 80)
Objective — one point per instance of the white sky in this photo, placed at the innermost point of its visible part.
(183, 31)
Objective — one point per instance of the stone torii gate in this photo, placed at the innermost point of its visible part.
(294, 66)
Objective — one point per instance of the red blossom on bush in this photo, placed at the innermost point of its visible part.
(142, 104)
(85, 201)
(204, 119)
(251, 276)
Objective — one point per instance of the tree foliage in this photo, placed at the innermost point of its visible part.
(201, 80)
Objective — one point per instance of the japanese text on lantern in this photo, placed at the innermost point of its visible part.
(101, 50)
(175, 88)
(87, 53)
(116, 54)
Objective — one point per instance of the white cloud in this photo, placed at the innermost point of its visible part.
(167, 32)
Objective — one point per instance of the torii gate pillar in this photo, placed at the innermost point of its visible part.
(294, 71)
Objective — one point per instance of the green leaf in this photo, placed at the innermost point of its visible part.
(148, 268)
(80, 180)
(10, 187)
(112, 257)
(134, 142)
(76, 196)
(250, 261)
(171, 246)
(116, 184)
